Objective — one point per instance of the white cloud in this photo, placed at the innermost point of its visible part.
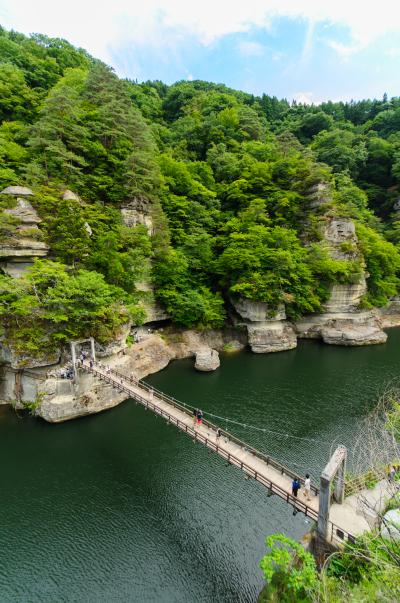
(100, 25)
(345, 51)
(251, 49)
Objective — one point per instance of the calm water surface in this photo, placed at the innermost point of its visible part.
(120, 507)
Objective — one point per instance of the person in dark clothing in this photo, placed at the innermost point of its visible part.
(295, 486)
(218, 433)
(199, 417)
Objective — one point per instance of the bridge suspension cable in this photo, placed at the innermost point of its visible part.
(249, 426)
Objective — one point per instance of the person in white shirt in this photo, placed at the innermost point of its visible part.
(307, 487)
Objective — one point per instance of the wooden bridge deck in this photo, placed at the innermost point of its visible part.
(275, 477)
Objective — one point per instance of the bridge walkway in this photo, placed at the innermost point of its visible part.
(267, 471)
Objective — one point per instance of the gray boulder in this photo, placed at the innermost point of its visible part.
(70, 196)
(24, 212)
(17, 191)
(207, 360)
(257, 311)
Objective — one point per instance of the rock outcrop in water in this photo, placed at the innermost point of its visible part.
(207, 360)
(267, 332)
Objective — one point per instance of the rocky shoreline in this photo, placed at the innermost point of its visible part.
(58, 399)
(39, 383)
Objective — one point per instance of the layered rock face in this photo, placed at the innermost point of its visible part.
(342, 322)
(154, 311)
(266, 332)
(319, 194)
(138, 211)
(19, 253)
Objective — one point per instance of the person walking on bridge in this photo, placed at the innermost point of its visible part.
(295, 486)
(307, 487)
(199, 417)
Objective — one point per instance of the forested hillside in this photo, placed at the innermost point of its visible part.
(229, 178)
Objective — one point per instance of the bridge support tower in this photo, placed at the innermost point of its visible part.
(334, 472)
(73, 352)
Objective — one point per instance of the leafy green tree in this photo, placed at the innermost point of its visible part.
(268, 264)
(13, 155)
(188, 303)
(57, 137)
(289, 570)
(17, 100)
(121, 255)
(343, 150)
(52, 304)
(313, 123)
(67, 234)
(383, 265)
(120, 153)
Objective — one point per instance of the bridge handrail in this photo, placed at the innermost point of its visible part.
(181, 406)
(336, 531)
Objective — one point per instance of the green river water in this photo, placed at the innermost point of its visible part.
(121, 507)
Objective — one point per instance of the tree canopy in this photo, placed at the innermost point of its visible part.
(228, 177)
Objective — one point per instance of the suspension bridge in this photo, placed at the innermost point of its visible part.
(338, 520)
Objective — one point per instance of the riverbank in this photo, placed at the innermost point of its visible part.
(55, 399)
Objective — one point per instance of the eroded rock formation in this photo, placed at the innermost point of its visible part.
(342, 322)
(267, 331)
(19, 251)
(390, 314)
(138, 211)
(207, 360)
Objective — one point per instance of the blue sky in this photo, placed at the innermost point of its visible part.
(309, 50)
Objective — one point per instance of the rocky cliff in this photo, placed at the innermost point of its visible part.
(19, 251)
(138, 211)
(267, 331)
(343, 323)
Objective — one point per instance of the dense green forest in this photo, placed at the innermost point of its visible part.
(229, 178)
